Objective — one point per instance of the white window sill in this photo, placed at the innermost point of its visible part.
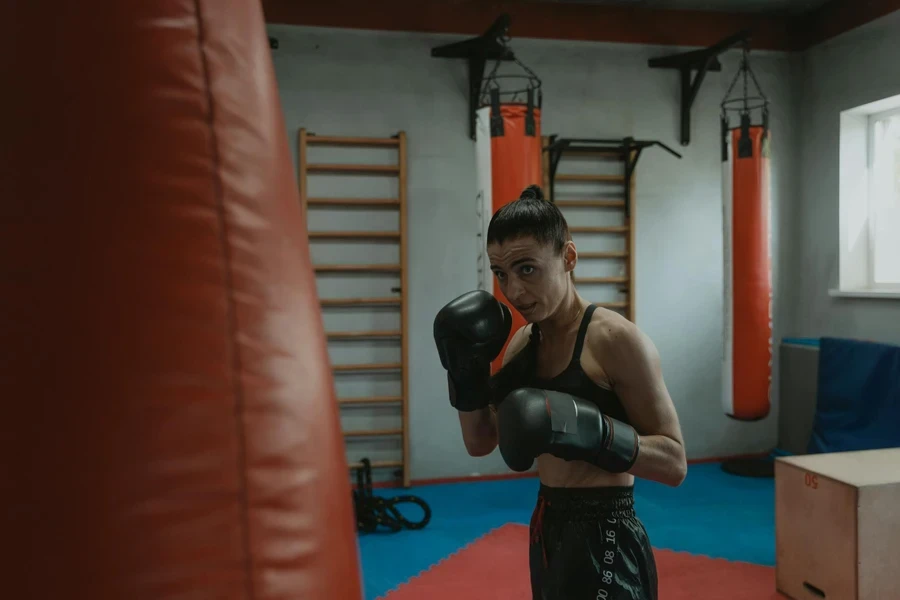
(878, 294)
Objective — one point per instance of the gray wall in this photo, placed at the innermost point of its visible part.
(367, 83)
(858, 67)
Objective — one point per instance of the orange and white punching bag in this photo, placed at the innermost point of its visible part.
(508, 155)
(747, 361)
(170, 428)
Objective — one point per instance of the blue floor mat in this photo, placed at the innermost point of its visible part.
(711, 513)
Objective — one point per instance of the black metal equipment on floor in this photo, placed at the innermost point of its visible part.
(374, 511)
(763, 467)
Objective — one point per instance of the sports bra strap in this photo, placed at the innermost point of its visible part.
(535, 337)
(582, 332)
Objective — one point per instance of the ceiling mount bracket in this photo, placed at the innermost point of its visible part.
(701, 61)
(477, 51)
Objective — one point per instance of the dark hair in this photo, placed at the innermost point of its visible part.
(530, 215)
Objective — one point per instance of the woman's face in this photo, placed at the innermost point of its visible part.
(532, 276)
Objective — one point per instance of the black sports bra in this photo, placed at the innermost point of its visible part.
(521, 372)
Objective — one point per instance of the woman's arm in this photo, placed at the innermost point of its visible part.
(632, 363)
(479, 430)
(479, 427)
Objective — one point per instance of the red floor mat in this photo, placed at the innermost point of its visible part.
(495, 567)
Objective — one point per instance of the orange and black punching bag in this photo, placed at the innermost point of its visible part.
(747, 357)
(170, 427)
(508, 155)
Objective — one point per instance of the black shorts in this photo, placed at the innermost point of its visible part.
(588, 544)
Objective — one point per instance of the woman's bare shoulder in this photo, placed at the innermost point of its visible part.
(517, 343)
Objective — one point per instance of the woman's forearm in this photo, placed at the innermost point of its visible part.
(479, 431)
(660, 459)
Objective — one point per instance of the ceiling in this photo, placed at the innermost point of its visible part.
(783, 25)
(772, 7)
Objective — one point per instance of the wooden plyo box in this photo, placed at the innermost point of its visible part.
(837, 525)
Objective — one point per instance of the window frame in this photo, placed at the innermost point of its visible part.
(872, 119)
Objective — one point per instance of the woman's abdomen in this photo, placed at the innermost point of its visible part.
(556, 472)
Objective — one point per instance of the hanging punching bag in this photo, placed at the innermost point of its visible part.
(747, 362)
(508, 148)
(170, 428)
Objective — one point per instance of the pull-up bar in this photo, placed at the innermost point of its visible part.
(622, 147)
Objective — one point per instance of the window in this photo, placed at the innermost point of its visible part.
(884, 199)
(870, 200)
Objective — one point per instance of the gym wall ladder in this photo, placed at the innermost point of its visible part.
(553, 152)
(377, 299)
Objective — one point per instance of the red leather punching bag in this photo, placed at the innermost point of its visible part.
(747, 359)
(508, 154)
(169, 427)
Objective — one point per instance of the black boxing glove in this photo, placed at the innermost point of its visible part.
(532, 422)
(470, 332)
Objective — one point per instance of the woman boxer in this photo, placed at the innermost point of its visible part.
(581, 392)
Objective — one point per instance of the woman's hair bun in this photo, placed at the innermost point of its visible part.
(532, 192)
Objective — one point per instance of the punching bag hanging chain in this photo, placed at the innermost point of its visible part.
(524, 82)
(744, 105)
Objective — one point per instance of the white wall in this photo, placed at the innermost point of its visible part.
(855, 68)
(367, 83)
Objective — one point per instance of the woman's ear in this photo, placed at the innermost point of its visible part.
(570, 256)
